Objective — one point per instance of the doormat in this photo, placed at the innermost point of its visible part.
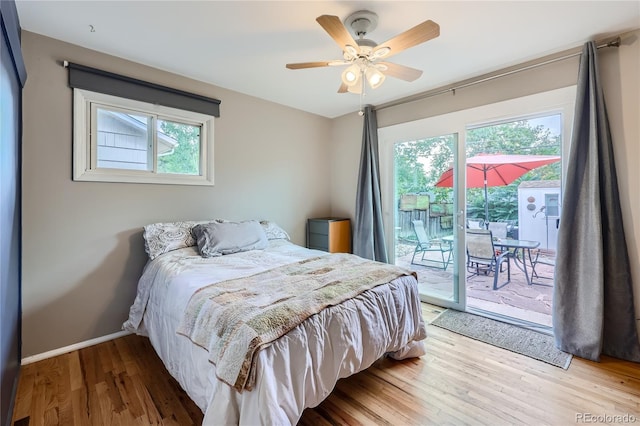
(507, 336)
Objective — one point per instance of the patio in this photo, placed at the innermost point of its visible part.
(517, 299)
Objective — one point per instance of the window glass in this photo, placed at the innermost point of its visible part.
(123, 140)
(178, 148)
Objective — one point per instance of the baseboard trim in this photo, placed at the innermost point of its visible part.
(71, 348)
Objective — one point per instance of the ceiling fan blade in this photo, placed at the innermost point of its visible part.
(336, 29)
(302, 65)
(343, 88)
(412, 37)
(400, 71)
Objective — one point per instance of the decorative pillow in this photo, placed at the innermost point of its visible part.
(219, 238)
(160, 238)
(273, 231)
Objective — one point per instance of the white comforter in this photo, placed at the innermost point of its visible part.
(298, 370)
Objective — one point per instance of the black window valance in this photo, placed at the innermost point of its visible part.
(82, 77)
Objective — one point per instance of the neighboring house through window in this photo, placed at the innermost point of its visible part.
(128, 130)
(122, 140)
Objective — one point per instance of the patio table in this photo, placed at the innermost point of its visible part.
(514, 246)
(523, 246)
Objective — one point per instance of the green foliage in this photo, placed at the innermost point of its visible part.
(410, 174)
(419, 165)
(185, 158)
(518, 137)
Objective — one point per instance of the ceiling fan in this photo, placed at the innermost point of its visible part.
(363, 56)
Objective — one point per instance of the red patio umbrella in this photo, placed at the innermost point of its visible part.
(486, 170)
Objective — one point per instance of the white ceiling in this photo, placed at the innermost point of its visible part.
(244, 45)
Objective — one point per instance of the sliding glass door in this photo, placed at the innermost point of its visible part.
(430, 199)
(422, 214)
(520, 200)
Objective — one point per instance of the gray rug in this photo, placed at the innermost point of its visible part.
(516, 339)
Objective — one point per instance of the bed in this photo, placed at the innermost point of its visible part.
(289, 373)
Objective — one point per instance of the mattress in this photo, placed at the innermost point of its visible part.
(296, 371)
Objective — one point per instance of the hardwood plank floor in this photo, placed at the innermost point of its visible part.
(458, 381)
(120, 382)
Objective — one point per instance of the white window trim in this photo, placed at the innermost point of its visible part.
(82, 167)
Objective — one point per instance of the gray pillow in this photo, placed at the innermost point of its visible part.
(218, 238)
(163, 237)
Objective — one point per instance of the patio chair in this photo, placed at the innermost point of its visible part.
(482, 256)
(426, 245)
(475, 223)
(498, 229)
(537, 260)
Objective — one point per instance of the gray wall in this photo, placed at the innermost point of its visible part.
(620, 72)
(82, 241)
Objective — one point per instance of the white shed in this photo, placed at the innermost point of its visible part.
(539, 203)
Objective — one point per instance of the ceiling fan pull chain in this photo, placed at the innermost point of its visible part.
(362, 94)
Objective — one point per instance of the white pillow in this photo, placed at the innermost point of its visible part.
(160, 238)
(273, 231)
(220, 238)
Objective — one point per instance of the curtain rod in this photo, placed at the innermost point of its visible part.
(610, 42)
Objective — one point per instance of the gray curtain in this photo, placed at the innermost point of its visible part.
(368, 234)
(593, 312)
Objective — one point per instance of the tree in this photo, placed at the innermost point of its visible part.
(517, 137)
(419, 164)
(185, 158)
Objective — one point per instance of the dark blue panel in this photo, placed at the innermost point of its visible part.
(11, 33)
(10, 225)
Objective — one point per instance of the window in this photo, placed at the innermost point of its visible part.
(123, 140)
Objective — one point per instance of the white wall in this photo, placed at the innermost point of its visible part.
(82, 241)
(537, 224)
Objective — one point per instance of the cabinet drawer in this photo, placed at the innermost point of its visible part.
(318, 241)
(319, 227)
(330, 234)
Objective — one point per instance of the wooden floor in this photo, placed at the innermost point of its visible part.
(458, 381)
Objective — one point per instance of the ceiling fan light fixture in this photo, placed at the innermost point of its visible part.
(381, 52)
(351, 75)
(356, 88)
(361, 55)
(351, 50)
(374, 77)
